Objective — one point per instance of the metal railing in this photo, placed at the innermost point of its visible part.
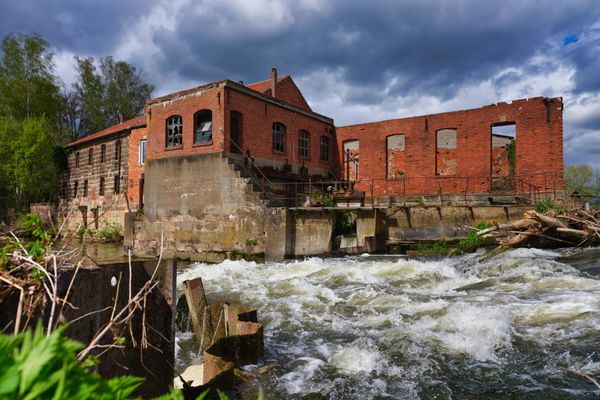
(530, 188)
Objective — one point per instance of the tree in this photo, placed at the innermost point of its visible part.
(28, 86)
(581, 180)
(106, 93)
(29, 171)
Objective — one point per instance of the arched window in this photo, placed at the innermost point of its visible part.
(174, 131)
(303, 144)
(278, 137)
(203, 127)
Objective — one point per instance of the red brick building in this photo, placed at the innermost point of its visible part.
(268, 128)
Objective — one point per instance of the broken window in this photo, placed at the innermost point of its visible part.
(324, 147)
(446, 163)
(203, 127)
(102, 153)
(101, 188)
(117, 184)
(503, 153)
(90, 155)
(351, 153)
(142, 152)
(85, 188)
(235, 129)
(278, 137)
(303, 144)
(117, 150)
(395, 156)
(174, 130)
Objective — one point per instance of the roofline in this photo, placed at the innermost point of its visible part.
(273, 100)
(185, 92)
(108, 136)
(454, 111)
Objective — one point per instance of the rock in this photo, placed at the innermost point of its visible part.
(192, 375)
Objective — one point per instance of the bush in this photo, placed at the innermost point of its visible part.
(472, 242)
(546, 205)
(112, 232)
(36, 366)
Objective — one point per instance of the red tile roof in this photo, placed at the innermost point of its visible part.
(131, 123)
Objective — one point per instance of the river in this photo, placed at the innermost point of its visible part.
(391, 327)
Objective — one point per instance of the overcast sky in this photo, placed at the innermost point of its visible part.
(355, 61)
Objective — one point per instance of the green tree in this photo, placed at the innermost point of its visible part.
(581, 180)
(28, 86)
(106, 92)
(29, 170)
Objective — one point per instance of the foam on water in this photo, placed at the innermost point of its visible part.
(364, 327)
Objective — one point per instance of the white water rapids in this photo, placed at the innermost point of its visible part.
(391, 327)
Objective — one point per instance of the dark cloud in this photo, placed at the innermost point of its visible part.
(84, 27)
(379, 53)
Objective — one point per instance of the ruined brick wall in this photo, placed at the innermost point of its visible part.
(209, 98)
(430, 163)
(94, 209)
(135, 168)
(257, 133)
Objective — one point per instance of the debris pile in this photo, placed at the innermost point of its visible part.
(572, 228)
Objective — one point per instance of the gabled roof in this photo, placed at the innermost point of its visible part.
(129, 124)
(265, 85)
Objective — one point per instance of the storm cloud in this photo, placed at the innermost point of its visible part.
(354, 60)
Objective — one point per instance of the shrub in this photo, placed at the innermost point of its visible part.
(112, 232)
(546, 205)
(472, 242)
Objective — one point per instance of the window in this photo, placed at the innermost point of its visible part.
(203, 127)
(278, 137)
(90, 155)
(395, 157)
(446, 163)
(102, 153)
(117, 184)
(85, 188)
(174, 131)
(303, 144)
(142, 152)
(77, 159)
(324, 148)
(75, 186)
(101, 188)
(117, 149)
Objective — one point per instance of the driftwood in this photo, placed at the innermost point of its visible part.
(550, 230)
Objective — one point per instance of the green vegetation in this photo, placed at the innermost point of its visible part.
(36, 366)
(439, 248)
(251, 242)
(319, 198)
(472, 242)
(38, 115)
(582, 183)
(546, 205)
(34, 237)
(112, 232)
(512, 158)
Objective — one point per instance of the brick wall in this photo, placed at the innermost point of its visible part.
(257, 133)
(429, 169)
(207, 98)
(135, 169)
(94, 209)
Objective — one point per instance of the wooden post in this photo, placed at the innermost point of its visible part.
(196, 301)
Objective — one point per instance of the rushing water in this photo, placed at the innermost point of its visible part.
(388, 327)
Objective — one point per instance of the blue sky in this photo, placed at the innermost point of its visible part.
(355, 61)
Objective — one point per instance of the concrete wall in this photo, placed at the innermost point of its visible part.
(200, 204)
(309, 232)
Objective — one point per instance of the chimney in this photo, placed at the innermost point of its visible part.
(274, 82)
